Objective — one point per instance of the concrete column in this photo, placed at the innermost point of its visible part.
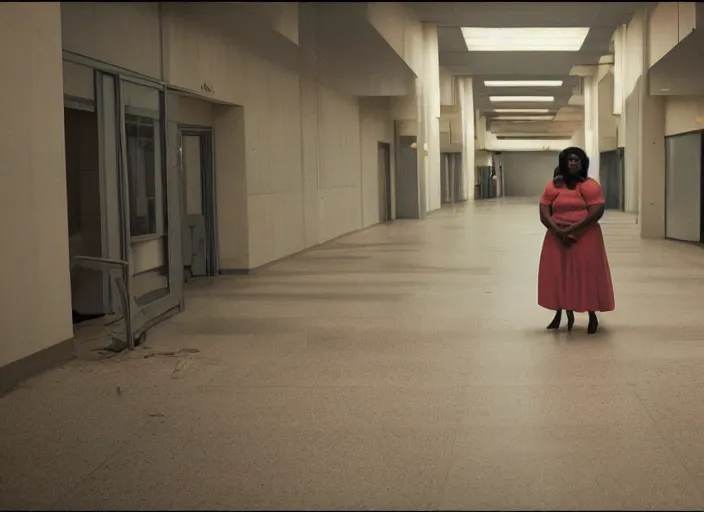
(651, 145)
(419, 115)
(466, 96)
(633, 93)
(591, 123)
(422, 149)
(608, 122)
(430, 96)
(643, 125)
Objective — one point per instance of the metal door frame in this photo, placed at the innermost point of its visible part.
(208, 195)
(96, 106)
(142, 317)
(701, 169)
(147, 315)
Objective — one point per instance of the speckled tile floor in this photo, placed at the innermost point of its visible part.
(402, 367)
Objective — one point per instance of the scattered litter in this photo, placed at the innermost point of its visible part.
(179, 366)
(172, 353)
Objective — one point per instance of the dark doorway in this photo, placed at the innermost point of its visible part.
(384, 154)
(83, 202)
(611, 176)
(407, 198)
(199, 248)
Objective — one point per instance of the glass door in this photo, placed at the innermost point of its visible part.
(151, 204)
(110, 179)
(199, 249)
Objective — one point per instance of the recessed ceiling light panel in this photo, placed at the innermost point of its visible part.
(521, 99)
(524, 39)
(521, 110)
(523, 118)
(523, 83)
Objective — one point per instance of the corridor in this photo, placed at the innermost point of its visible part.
(405, 366)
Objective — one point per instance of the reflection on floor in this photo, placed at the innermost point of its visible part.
(405, 366)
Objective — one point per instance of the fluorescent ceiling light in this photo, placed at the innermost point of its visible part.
(521, 99)
(525, 39)
(523, 118)
(522, 110)
(522, 83)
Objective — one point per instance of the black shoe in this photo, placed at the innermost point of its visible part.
(570, 320)
(555, 324)
(593, 323)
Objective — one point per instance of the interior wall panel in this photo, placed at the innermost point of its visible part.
(525, 173)
(683, 157)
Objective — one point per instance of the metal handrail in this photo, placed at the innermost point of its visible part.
(121, 282)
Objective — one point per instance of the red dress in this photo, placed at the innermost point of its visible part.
(576, 278)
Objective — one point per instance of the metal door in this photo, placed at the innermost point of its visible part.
(384, 174)
(611, 176)
(683, 164)
(445, 180)
(110, 177)
(457, 178)
(196, 169)
(150, 203)
(407, 186)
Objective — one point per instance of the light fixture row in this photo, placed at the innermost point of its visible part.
(521, 99)
(524, 39)
(524, 118)
(522, 110)
(523, 83)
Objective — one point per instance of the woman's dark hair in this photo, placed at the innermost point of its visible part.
(562, 169)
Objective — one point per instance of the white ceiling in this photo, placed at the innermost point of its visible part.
(602, 18)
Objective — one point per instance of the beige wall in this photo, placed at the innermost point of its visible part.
(448, 92)
(398, 24)
(190, 110)
(683, 114)
(292, 123)
(339, 156)
(431, 99)
(35, 279)
(669, 24)
(98, 30)
(652, 188)
(482, 158)
(451, 138)
(633, 90)
(608, 123)
(527, 173)
(634, 64)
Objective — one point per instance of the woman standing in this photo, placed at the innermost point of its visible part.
(574, 270)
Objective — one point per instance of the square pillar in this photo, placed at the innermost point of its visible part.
(466, 93)
(591, 123)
